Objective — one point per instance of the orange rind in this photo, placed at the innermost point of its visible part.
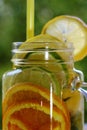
(15, 124)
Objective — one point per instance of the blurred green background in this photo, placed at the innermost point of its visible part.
(13, 27)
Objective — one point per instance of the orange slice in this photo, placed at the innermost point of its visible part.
(16, 124)
(26, 91)
(21, 93)
(34, 116)
(69, 29)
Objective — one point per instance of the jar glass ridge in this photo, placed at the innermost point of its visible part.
(42, 47)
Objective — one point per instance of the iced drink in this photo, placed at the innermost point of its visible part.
(39, 93)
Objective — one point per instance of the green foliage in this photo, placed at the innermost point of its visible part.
(13, 24)
(47, 9)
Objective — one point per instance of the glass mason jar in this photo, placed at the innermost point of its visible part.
(41, 91)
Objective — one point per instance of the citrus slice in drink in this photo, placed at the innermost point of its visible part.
(73, 100)
(47, 51)
(28, 91)
(69, 29)
(34, 116)
(25, 100)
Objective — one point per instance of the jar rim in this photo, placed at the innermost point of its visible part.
(46, 52)
(42, 46)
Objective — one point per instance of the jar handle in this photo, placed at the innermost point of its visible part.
(80, 80)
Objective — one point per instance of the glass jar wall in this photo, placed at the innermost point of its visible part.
(40, 91)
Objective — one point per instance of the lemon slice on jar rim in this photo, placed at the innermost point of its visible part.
(69, 29)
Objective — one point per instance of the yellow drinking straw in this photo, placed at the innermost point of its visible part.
(30, 19)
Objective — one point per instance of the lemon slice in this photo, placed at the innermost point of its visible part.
(40, 41)
(73, 100)
(49, 52)
(69, 29)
